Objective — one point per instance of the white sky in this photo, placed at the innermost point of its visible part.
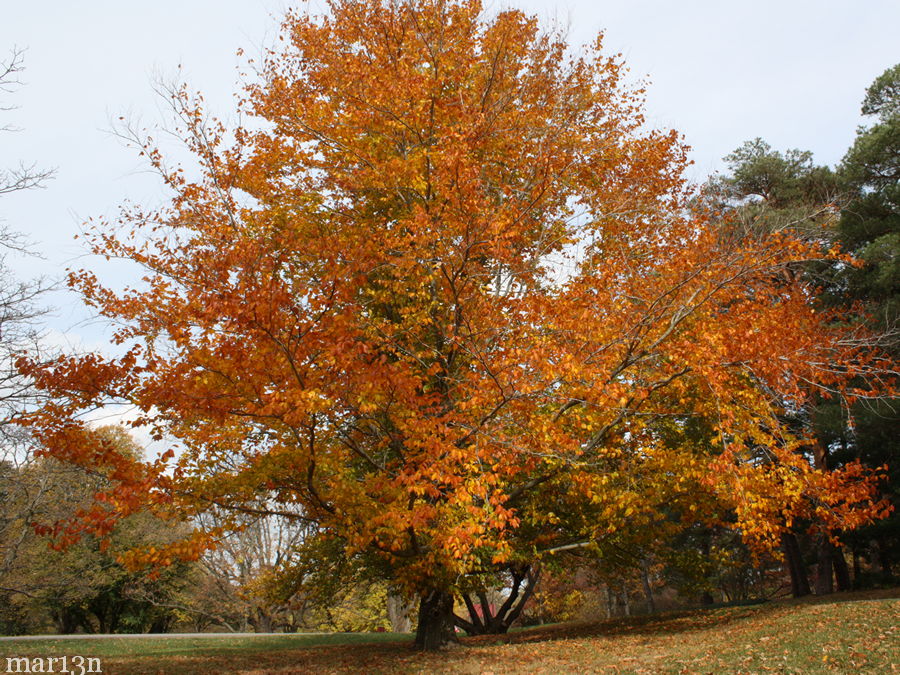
(721, 72)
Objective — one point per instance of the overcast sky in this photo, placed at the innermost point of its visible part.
(791, 71)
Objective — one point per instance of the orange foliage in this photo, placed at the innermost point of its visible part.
(441, 271)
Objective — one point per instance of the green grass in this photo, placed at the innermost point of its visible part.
(157, 647)
(845, 633)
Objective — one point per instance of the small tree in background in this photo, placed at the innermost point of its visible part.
(84, 588)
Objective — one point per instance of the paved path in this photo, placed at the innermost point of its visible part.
(106, 636)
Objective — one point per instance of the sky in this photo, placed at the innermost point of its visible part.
(792, 72)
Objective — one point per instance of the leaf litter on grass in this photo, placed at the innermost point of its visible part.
(843, 633)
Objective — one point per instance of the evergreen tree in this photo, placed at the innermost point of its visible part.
(869, 228)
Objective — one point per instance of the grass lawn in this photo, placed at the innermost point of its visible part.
(843, 633)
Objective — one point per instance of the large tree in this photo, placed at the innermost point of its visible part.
(766, 191)
(438, 289)
(855, 208)
(869, 227)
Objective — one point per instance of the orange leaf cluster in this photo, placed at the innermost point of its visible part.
(439, 288)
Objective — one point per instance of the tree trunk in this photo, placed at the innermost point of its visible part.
(884, 559)
(824, 549)
(841, 571)
(66, 621)
(436, 622)
(706, 597)
(648, 589)
(824, 565)
(497, 620)
(261, 620)
(799, 580)
(398, 611)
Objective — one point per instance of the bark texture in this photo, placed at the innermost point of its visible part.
(436, 622)
(794, 561)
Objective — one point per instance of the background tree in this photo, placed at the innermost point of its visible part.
(869, 227)
(25, 176)
(19, 333)
(243, 562)
(83, 588)
(18, 300)
(329, 590)
(442, 282)
(855, 208)
(768, 191)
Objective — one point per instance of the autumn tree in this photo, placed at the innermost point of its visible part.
(766, 191)
(853, 207)
(84, 587)
(436, 290)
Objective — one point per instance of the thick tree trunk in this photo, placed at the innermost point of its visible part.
(841, 571)
(67, 622)
(824, 565)
(436, 622)
(824, 549)
(494, 621)
(794, 560)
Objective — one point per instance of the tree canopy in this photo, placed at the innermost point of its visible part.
(443, 289)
